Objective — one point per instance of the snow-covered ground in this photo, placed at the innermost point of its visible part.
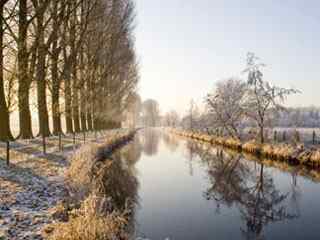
(33, 184)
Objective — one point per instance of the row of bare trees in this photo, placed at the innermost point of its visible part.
(74, 59)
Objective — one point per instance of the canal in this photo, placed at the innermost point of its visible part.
(191, 190)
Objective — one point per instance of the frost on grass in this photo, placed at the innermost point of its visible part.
(102, 193)
(90, 222)
(32, 189)
(27, 191)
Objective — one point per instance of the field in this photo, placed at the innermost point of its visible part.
(288, 135)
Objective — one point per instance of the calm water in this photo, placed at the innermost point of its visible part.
(190, 190)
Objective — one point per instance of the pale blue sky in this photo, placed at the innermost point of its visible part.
(184, 47)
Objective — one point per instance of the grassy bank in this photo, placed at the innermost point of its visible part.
(282, 152)
(295, 170)
(100, 193)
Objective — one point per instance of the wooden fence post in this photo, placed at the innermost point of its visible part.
(74, 140)
(297, 136)
(314, 137)
(275, 136)
(8, 153)
(60, 143)
(284, 136)
(44, 143)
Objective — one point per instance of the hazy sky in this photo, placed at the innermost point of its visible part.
(184, 47)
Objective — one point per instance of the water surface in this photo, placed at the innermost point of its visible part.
(191, 190)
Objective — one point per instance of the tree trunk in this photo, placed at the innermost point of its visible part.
(83, 111)
(68, 102)
(43, 116)
(83, 95)
(5, 132)
(75, 86)
(66, 75)
(262, 134)
(56, 116)
(83, 77)
(96, 122)
(89, 118)
(89, 108)
(23, 80)
(55, 97)
(75, 102)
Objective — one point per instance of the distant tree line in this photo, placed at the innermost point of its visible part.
(147, 114)
(299, 117)
(74, 58)
(150, 113)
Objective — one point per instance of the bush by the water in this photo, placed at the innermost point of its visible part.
(90, 223)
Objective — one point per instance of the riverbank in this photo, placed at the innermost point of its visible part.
(36, 191)
(298, 155)
(98, 191)
(296, 170)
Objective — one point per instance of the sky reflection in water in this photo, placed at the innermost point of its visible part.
(189, 190)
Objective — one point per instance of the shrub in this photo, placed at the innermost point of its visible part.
(89, 223)
(315, 157)
(233, 143)
(284, 151)
(252, 147)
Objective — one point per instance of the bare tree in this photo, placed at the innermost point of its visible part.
(24, 78)
(133, 114)
(227, 105)
(56, 42)
(172, 119)
(150, 112)
(193, 114)
(5, 132)
(43, 116)
(263, 97)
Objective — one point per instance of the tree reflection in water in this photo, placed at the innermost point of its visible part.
(116, 181)
(236, 182)
(131, 153)
(191, 153)
(171, 141)
(150, 139)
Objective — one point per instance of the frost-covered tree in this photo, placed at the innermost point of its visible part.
(262, 96)
(227, 105)
(192, 116)
(171, 119)
(150, 113)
